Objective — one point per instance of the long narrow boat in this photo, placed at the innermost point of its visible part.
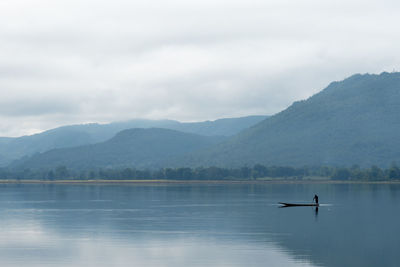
(299, 204)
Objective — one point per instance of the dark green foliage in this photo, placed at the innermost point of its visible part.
(341, 174)
(355, 121)
(393, 172)
(209, 173)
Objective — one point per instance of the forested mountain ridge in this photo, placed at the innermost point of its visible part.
(77, 135)
(142, 148)
(355, 121)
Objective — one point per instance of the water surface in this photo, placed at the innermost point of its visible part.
(198, 225)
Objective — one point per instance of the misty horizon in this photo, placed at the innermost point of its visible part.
(73, 62)
(38, 131)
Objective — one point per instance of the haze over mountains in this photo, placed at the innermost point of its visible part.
(77, 135)
(354, 121)
(142, 148)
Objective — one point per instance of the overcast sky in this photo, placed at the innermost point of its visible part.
(78, 61)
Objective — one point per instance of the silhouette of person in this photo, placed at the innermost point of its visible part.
(316, 199)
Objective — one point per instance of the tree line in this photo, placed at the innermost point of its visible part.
(257, 171)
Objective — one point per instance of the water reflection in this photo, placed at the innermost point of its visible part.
(196, 225)
(37, 247)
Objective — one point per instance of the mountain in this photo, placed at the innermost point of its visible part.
(221, 127)
(77, 135)
(140, 148)
(355, 121)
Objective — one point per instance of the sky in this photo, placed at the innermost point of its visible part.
(79, 61)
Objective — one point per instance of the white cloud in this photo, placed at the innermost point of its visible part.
(84, 60)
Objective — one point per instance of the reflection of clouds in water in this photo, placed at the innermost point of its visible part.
(24, 235)
(31, 244)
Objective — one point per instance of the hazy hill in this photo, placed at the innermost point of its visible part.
(355, 121)
(221, 127)
(77, 135)
(142, 148)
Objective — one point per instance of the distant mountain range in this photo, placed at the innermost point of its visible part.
(77, 135)
(142, 148)
(354, 121)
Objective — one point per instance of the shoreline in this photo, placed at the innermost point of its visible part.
(205, 182)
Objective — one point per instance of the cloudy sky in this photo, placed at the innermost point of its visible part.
(78, 61)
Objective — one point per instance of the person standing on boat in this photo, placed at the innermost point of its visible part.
(316, 199)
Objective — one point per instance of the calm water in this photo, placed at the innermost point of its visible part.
(198, 225)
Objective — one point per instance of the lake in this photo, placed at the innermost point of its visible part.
(199, 225)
